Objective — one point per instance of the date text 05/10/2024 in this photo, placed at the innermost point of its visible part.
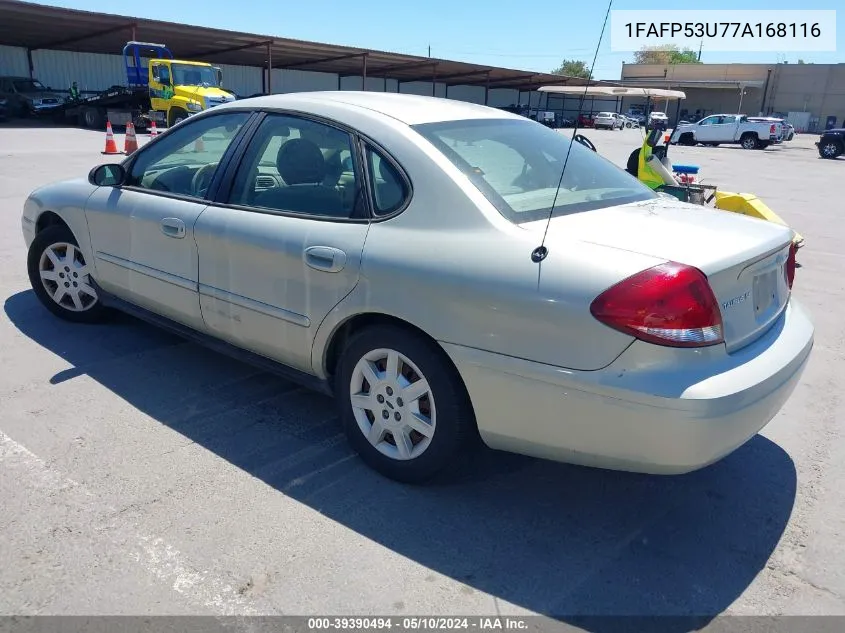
(406, 623)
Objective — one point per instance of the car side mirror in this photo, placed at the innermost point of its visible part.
(110, 175)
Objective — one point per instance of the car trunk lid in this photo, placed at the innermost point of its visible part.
(743, 258)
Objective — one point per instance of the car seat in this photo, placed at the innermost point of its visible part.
(301, 165)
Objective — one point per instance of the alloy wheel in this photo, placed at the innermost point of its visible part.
(393, 404)
(830, 150)
(65, 276)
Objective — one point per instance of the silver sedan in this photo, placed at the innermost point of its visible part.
(447, 271)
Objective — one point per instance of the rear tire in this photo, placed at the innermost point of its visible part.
(93, 118)
(686, 138)
(60, 276)
(403, 404)
(749, 141)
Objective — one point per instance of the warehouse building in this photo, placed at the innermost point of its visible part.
(810, 96)
(58, 46)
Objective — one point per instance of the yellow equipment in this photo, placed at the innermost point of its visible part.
(749, 204)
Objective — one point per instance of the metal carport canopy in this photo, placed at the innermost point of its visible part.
(34, 26)
(705, 84)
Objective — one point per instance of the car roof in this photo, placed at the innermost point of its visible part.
(408, 108)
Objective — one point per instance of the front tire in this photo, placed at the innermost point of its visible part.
(831, 149)
(176, 116)
(402, 404)
(686, 138)
(61, 278)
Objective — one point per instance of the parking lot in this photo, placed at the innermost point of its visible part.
(140, 474)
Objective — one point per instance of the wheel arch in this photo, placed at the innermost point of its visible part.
(49, 218)
(344, 329)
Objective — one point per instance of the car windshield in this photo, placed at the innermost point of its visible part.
(517, 166)
(28, 85)
(190, 75)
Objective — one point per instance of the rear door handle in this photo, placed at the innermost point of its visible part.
(173, 227)
(325, 258)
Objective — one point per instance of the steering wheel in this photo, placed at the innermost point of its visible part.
(585, 141)
(202, 179)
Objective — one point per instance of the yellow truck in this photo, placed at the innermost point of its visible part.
(158, 88)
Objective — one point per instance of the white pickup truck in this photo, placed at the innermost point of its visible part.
(718, 129)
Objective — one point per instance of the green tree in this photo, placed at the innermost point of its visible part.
(572, 68)
(665, 54)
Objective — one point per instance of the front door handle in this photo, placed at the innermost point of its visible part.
(325, 258)
(173, 227)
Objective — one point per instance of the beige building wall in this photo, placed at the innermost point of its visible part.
(818, 89)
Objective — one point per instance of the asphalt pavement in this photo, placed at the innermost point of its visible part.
(140, 474)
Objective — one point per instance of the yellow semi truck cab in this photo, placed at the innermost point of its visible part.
(177, 88)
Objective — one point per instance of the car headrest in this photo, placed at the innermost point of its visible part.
(300, 162)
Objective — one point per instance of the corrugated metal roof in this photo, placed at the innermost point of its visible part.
(36, 26)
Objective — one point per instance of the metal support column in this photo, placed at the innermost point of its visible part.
(31, 65)
(269, 69)
(364, 72)
(434, 81)
(487, 88)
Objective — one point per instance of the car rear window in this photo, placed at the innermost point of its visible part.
(517, 165)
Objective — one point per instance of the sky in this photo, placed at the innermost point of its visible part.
(535, 36)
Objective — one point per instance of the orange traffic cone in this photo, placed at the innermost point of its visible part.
(111, 145)
(199, 145)
(130, 143)
(153, 129)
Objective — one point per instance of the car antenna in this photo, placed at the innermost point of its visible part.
(540, 253)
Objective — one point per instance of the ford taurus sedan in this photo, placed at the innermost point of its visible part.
(446, 271)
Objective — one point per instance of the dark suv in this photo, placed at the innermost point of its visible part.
(832, 143)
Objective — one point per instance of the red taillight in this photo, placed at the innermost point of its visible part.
(669, 304)
(789, 268)
(772, 129)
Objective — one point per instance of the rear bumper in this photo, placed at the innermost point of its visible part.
(667, 416)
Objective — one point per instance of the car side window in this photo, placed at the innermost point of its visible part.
(302, 166)
(184, 160)
(387, 187)
(711, 120)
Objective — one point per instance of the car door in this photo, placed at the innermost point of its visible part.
(282, 246)
(707, 130)
(142, 232)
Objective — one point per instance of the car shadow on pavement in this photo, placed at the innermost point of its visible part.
(581, 545)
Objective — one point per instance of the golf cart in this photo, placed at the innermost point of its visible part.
(650, 163)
